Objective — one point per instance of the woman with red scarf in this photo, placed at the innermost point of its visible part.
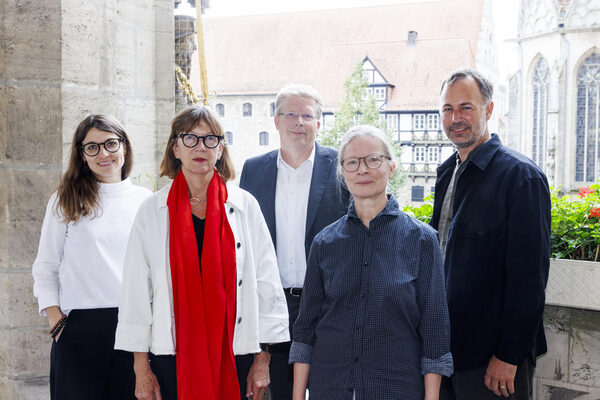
(201, 289)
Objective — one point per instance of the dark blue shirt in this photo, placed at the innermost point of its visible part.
(373, 316)
(497, 256)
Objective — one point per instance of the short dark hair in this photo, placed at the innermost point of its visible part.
(184, 122)
(485, 86)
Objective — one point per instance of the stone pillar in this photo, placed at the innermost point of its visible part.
(60, 61)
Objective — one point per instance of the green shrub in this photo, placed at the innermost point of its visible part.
(575, 230)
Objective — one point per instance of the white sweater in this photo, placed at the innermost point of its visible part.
(80, 265)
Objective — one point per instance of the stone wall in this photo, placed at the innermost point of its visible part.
(571, 368)
(60, 61)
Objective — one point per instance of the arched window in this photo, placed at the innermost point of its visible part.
(263, 138)
(588, 120)
(272, 109)
(247, 109)
(221, 110)
(229, 138)
(540, 112)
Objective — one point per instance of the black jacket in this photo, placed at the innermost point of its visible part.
(497, 256)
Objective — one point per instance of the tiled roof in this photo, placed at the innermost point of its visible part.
(260, 54)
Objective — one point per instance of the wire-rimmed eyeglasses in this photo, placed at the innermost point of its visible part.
(92, 149)
(372, 161)
(292, 116)
(190, 140)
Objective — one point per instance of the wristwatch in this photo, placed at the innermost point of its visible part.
(265, 347)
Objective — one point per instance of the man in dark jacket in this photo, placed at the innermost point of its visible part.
(492, 213)
(299, 194)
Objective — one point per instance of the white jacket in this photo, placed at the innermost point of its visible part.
(146, 318)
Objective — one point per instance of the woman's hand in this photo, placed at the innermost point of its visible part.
(54, 315)
(301, 372)
(432, 386)
(258, 377)
(146, 384)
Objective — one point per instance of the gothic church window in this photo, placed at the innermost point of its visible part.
(540, 112)
(588, 120)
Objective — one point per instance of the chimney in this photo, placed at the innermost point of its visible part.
(412, 39)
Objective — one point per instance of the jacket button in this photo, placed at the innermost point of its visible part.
(238, 245)
(240, 283)
(239, 320)
(231, 210)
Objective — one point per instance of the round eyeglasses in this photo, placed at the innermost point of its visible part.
(92, 149)
(190, 140)
(292, 116)
(372, 161)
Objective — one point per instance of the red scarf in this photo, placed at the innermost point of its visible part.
(204, 302)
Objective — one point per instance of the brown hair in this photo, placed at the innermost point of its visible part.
(184, 122)
(77, 193)
(486, 88)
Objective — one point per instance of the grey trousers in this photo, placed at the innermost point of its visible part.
(469, 384)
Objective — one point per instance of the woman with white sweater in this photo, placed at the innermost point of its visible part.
(79, 266)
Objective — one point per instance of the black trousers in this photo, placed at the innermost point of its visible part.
(165, 369)
(469, 385)
(282, 373)
(84, 364)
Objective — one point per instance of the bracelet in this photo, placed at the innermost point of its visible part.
(58, 325)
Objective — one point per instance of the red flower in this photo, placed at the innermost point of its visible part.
(594, 213)
(584, 191)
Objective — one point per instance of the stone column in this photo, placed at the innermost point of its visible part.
(60, 61)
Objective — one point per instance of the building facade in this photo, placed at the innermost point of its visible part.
(554, 101)
(405, 56)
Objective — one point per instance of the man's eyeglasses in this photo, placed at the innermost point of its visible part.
(111, 145)
(190, 140)
(372, 161)
(292, 116)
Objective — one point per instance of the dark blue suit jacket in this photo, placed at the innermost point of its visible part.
(327, 199)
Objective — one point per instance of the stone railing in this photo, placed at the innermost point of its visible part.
(571, 367)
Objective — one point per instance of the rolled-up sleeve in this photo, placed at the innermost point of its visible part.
(434, 328)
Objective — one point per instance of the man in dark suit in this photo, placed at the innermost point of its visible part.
(492, 213)
(299, 194)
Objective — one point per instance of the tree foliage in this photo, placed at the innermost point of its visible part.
(359, 107)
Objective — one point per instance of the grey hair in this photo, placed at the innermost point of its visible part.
(299, 90)
(364, 130)
(485, 86)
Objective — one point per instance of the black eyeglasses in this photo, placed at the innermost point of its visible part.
(190, 140)
(372, 161)
(111, 145)
(292, 116)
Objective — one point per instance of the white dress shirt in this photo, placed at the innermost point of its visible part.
(146, 317)
(80, 265)
(291, 204)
